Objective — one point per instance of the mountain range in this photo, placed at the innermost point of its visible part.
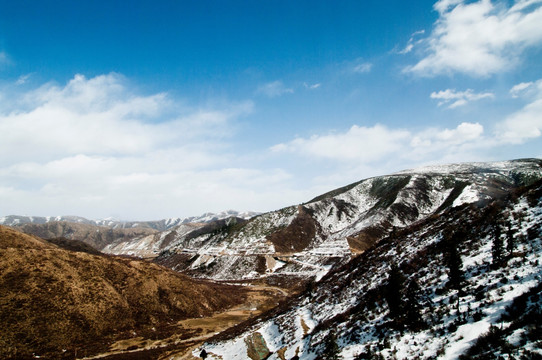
(160, 225)
(307, 240)
(437, 262)
(465, 283)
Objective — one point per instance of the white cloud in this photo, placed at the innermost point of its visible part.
(458, 98)
(464, 132)
(22, 79)
(95, 147)
(100, 116)
(100, 186)
(520, 88)
(312, 86)
(410, 44)
(274, 89)
(365, 145)
(443, 5)
(526, 123)
(480, 38)
(362, 68)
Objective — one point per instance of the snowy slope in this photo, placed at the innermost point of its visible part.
(312, 237)
(347, 314)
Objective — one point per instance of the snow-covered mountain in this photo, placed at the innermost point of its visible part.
(14, 220)
(307, 240)
(160, 225)
(462, 281)
(442, 262)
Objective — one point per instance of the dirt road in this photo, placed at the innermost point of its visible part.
(193, 332)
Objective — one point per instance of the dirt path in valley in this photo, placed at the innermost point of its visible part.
(261, 298)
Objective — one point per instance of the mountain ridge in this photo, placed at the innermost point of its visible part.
(358, 259)
(328, 230)
(160, 225)
(308, 239)
(493, 311)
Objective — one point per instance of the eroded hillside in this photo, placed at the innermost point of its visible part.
(308, 240)
(463, 283)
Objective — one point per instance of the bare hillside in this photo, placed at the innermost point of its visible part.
(55, 302)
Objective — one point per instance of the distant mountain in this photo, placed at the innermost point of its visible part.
(58, 304)
(160, 225)
(100, 233)
(93, 235)
(460, 276)
(441, 262)
(307, 240)
(14, 220)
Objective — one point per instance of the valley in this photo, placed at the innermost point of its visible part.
(424, 263)
(189, 333)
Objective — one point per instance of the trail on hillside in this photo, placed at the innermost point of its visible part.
(261, 298)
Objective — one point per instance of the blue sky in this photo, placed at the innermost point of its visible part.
(154, 109)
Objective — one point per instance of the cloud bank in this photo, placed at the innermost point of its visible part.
(378, 143)
(95, 145)
(479, 38)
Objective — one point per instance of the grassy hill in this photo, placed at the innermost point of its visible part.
(55, 302)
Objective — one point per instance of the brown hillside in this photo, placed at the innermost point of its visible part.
(53, 301)
(13, 239)
(96, 236)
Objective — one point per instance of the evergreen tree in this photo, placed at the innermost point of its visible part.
(394, 293)
(331, 349)
(453, 259)
(414, 319)
(510, 240)
(497, 248)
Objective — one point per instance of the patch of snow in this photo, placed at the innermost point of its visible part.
(469, 195)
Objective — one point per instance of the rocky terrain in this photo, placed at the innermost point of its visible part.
(463, 283)
(439, 262)
(309, 239)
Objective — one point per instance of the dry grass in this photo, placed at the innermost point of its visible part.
(53, 299)
(96, 236)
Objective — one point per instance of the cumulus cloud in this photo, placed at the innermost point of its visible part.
(100, 116)
(96, 147)
(464, 132)
(274, 89)
(458, 98)
(365, 145)
(480, 38)
(526, 123)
